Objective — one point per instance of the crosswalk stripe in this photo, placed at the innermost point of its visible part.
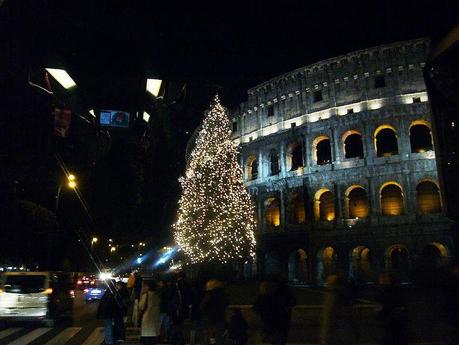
(64, 336)
(96, 337)
(31, 336)
(8, 331)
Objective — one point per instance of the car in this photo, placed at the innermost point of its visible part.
(95, 292)
(36, 296)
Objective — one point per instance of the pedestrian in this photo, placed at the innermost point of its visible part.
(179, 309)
(237, 328)
(337, 325)
(165, 296)
(197, 295)
(263, 307)
(213, 309)
(149, 314)
(123, 302)
(107, 311)
(136, 295)
(284, 301)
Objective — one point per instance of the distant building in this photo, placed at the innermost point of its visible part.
(340, 160)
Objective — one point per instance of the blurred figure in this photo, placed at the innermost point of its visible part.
(165, 296)
(131, 283)
(107, 311)
(123, 302)
(179, 307)
(394, 314)
(213, 309)
(337, 325)
(136, 298)
(197, 295)
(237, 328)
(284, 301)
(263, 306)
(149, 314)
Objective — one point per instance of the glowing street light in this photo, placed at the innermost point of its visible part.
(62, 77)
(112, 249)
(153, 86)
(72, 181)
(94, 240)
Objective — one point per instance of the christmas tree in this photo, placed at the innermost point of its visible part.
(215, 220)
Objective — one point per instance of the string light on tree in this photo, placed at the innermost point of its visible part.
(215, 220)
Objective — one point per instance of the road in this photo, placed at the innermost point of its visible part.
(86, 330)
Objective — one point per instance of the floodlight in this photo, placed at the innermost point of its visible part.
(153, 86)
(92, 112)
(146, 116)
(62, 77)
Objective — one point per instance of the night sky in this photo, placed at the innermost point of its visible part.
(110, 46)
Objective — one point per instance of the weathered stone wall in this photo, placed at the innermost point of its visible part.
(355, 93)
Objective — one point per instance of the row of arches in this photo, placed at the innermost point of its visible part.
(385, 143)
(356, 203)
(362, 265)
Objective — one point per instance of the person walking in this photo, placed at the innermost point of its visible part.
(179, 309)
(213, 308)
(149, 314)
(263, 306)
(237, 328)
(284, 301)
(123, 302)
(107, 311)
(136, 295)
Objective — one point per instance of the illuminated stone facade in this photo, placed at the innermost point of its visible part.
(339, 158)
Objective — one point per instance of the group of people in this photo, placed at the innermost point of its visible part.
(161, 306)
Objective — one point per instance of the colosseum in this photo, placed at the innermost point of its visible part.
(339, 157)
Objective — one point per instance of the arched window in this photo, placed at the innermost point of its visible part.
(294, 156)
(252, 168)
(392, 200)
(398, 262)
(272, 212)
(298, 266)
(357, 202)
(324, 205)
(428, 198)
(353, 146)
(420, 137)
(274, 162)
(386, 141)
(361, 265)
(296, 211)
(322, 150)
(327, 264)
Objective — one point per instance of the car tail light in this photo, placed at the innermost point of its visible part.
(72, 293)
(48, 291)
(79, 282)
(86, 290)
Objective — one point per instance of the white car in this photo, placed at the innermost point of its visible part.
(35, 296)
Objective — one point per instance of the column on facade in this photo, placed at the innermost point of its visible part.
(369, 142)
(403, 139)
(336, 155)
(260, 210)
(308, 152)
(261, 166)
(373, 200)
(283, 166)
(283, 208)
(338, 204)
(409, 192)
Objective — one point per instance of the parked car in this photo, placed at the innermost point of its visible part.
(36, 296)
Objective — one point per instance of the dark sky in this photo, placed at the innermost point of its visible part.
(109, 47)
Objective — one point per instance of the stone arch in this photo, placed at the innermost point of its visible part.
(327, 264)
(295, 156)
(272, 212)
(352, 144)
(362, 267)
(434, 255)
(420, 136)
(298, 266)
(274, 167)
(357, 205)
(398, 262)
(428, 198)
(296, 209)
(321, 150)
(324, 205)
(392, 199)
(252, 168)
(385, 139)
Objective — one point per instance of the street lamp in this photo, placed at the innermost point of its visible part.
(71, 183)
(112, 249)
(94, 240)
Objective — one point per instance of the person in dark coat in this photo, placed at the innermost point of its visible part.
(108, 309)
(179, 306)
(263, 306)
(123, 302)
(213, 309)
(284, 301)
(237, 328)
